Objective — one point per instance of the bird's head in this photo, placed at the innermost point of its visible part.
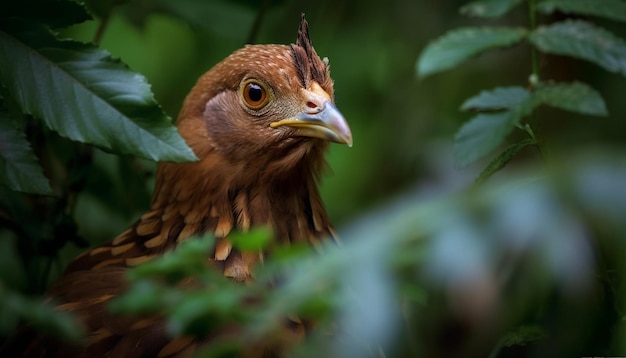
(271, 104)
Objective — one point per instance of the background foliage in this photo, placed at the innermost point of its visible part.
(495, 233)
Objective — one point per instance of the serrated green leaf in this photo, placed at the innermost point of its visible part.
(85, 95)
(19, 168)
(609, 9)
(458, 45)
(497, 99)
(482, 134)
(255, 239)
(488, 8)
(56, 14)
(582, 40)
(574, 97)
(502, 160)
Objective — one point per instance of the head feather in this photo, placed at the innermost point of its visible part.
(310, 67)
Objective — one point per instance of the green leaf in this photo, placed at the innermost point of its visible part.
(574, 97)
(486, 131)
(458, 45)
(521, 336)
(582, 40)
(19, 168)
(610, 9)
(488, 8)
(85, 95)
(497, 99)
(502, 160)
(56, 14)
(524, 335)
(41, 314)
(482, 134)
(255, 239)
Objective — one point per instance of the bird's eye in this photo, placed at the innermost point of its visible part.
(254, 94)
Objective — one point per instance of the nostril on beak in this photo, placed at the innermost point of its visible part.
(313, 107)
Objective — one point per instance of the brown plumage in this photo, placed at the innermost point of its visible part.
(260, 122)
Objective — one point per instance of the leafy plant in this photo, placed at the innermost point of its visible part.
(503, 109)
(51, 88)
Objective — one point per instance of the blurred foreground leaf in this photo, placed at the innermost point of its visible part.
(15, 307)
(476, 249)
(256, 239)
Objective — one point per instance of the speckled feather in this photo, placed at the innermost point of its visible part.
(248, 175)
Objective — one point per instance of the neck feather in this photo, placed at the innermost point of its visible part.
(216, 197)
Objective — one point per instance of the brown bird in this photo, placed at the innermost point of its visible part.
(259, 121)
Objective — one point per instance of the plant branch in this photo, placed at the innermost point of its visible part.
(257, 23)
(532, 19)
(102, 26)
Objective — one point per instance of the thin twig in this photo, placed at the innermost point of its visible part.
(254, 30)
(102, 26)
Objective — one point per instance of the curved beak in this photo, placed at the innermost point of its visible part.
(328, 124)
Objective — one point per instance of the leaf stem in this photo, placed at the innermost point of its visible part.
(102, 26)
(528, 129)
(532, 19)
(254, 31)
(534, 79)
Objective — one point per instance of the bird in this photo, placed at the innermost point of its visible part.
(260, 122)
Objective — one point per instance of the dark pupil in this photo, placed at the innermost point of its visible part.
(255, 92)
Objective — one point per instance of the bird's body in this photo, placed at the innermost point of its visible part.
(259, 122)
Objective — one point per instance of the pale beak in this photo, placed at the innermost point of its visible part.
(327, 124)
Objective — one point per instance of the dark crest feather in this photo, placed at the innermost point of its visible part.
(309, 65)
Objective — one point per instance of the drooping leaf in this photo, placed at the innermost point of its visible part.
(610, 9)
(56, 14)
(582, 40)
(19, 168)
(502, 160)
(458, 45)
(574, 97)
(488, 8)
(497, 99)
(84, 94)
(482, 134)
